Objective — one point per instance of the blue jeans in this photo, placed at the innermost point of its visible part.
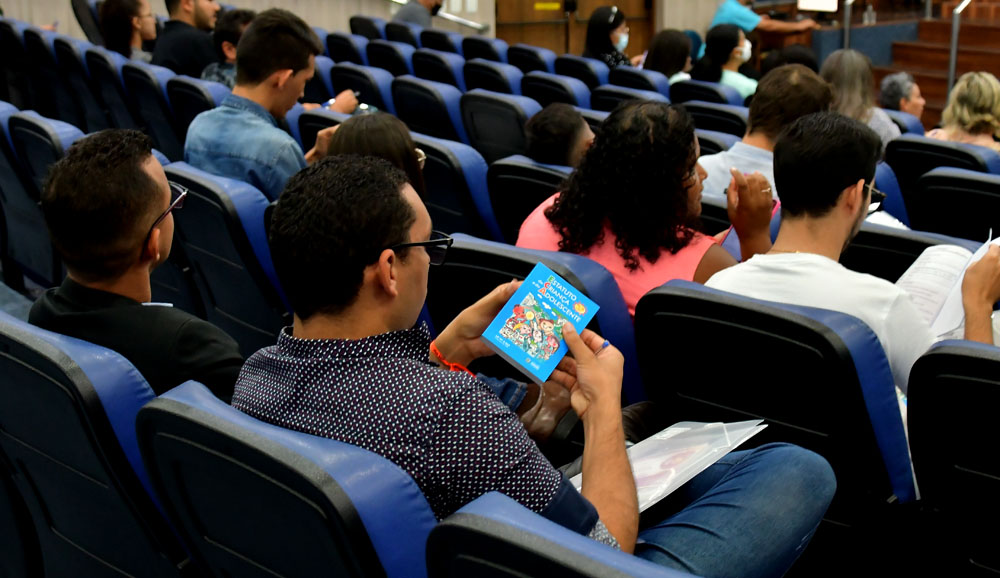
(750, 514)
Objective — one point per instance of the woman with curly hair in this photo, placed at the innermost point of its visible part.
(634, 202)
(973, 112)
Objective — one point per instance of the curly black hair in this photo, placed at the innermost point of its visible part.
(631, 182)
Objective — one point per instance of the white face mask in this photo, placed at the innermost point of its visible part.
(747, 47)
(622, 42)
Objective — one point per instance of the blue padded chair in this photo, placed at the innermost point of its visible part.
(456, 195)
(885, 181)
(373, 84)
(319, 89)
(331, 508)
(712, 141)
(222, 231)
(86, 16)
(320, 33)
(906, 122)
(442, 40)
(517, 186)
(609, 96)
(593, 117)
(887, 252)
(439, 66)
(368, 26)
(492, 49)
(53, 98)
(687, 90)
(492, 76)
(290, 123)
(73, 68)
(641, 79)
(190, 97)
(67, 429)
(396, 57)
(405, 32)
(429, 107)
(146, 88)
(475, 267)
(819, 378)
(105, 73)
(14, 64)
(495, 534)
(495, 122)
(727, 118)
(343, 47)
(529, 58)
(310, 122)
(957, 202)
(592, 72)
(19, 553)
(546, 88)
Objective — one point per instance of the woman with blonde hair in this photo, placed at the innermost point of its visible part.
(973, 112)
(850, 75)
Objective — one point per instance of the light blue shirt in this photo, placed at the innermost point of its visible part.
(742, 83)
(743, 157)
(240, 140)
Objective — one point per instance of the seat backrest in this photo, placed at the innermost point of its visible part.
(396, 57)
(906, 122)
(712, 141)
(517, 186)
(190, 97)
(546, 88)
(777, 361)
(609, 96)
(475, 267)
(14, 64)
(528, 58)
(405, 32)
(19, 553)
(145, 87)
(87, 19)
(493, 76)
(686, 90)
(343, 47)
(318, 88)
(313, 121)
(331, 508)
(373, 84)
(494, 535)
(52, 97)
(370, 27)
(105, 73)
(641, 79)
(73, 69)
(910, 156)
(885, 181)
(67, 415)
(592, 72)
(429, 107)
(492, 49)
(443, 40)
(439, 66)
(957, 202)
(495, 122)
(727, 118)
(887, 252)
(221, 228)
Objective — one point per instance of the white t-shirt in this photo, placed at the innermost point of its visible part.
(815, 281)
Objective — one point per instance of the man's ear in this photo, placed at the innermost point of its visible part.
(151, 250)
(853, 196)
(386, 272)
(280, 78)
(229, 49)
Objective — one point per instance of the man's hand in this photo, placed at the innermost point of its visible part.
(808, 24)
(460, 342)
(598, 383)
(307, 106)
(749, 203)
(345, 102)
(980, 290)
(322, 146)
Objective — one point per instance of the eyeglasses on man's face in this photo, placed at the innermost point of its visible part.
(436, 246)
(876, 198)
(177, 195)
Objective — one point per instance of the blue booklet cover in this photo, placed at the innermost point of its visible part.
(528, 330)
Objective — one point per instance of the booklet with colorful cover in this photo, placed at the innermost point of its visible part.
(528, 330)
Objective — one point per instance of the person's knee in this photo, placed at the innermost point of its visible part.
(805, 476)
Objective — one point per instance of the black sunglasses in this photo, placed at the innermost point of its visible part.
(177, 195)
(876, 198)
(436, 246)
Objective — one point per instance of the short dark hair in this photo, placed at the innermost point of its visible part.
(172, 5)
(380, 135)
(552, 133)
(784, 95)
(97, 217)
(229, 28)
(334, 218)
(668, 52)
(791, 54)
(819, 156)
(116, 24)
(275, 40)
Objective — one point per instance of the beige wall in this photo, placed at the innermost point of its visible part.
(686, 14)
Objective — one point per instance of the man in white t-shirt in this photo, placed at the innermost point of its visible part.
(824, 165)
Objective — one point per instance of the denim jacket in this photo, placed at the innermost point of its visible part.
(240, 140)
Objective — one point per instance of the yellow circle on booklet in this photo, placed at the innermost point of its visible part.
(580, 308)
(529, 315)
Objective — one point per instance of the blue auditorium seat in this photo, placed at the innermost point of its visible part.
(405, 32)
(546, 88)
(957, 202)
(87, 17)
(591, 71)
(105, 72)
(370, 27)
(396, 57)
(529, 58)
(443, 40)
(713, 142)
(687, 90)
(331, 508)
(492, 49)
(609, 96)
(885, 181)
(517, 186)
(146, 89)
(321, 34)
(727, 118)
(495, 122)
(492, 76)
(373, 84)
(67, 413)
(73, 68)
(19, 554)
(906, 122)
(344, 47)
(310, 122)
(222, 231)
(641, 79)
(439, 66)
(887, 252)
(14, 64)
(495, 534)
(53, 98)
(428, 107)
(318, 88)
(290, 123)
(190, 97)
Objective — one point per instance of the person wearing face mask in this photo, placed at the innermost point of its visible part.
(726, 49)
(418, 12)
(607, 38)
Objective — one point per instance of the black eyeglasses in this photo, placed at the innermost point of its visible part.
(436, 246)
(614, 12)
(177, 195)
(876, 198)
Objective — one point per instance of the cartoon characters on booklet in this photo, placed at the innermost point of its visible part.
(530, 328)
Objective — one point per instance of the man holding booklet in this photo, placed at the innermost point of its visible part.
(352, 244)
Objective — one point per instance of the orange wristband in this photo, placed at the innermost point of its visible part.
(451, 366)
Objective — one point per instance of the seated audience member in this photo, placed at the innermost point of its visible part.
(352, 245)
(228, 30)
(670, 55)
(824, 166)
(418, 12)
(240, 138)
(973, 112)
(783, 95)
(739, 13)
(791, 54)
(385, 136)
(633, 204)
(607, 37)
(185, 45)
(558, 135)
(899, 92)
(849, 73)
(112, 228)
(726, 49)
(125, 24)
